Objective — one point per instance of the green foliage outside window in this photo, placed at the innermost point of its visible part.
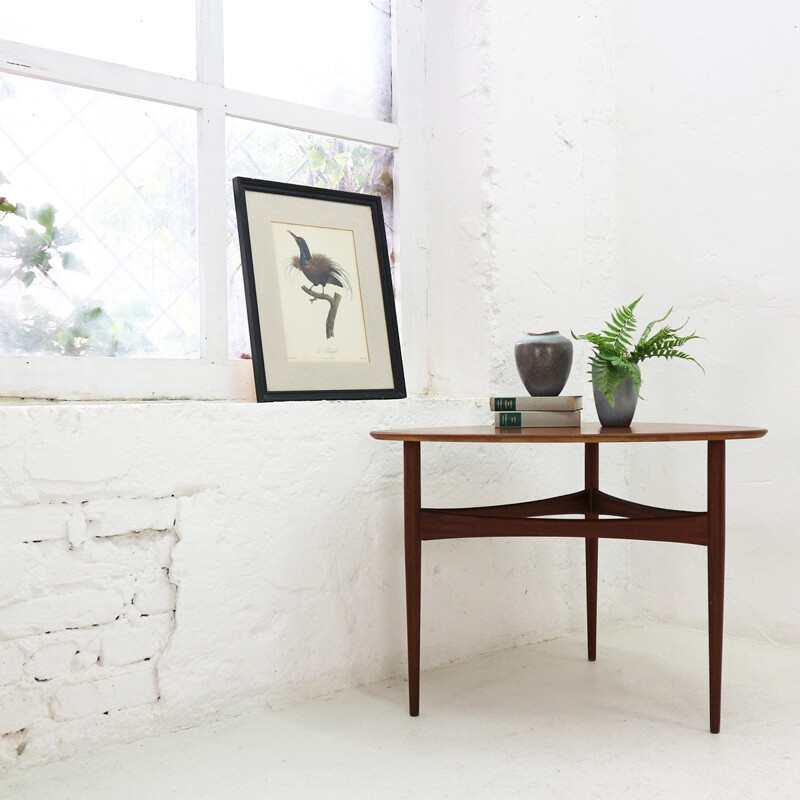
(35, 251)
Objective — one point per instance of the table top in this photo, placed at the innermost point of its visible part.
(588, 432)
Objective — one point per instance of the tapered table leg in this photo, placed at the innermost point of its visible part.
(413, 552)
(716, 575)
(591, 482)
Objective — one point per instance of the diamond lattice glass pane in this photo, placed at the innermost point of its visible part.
(335, 55)
(149, 34)
(255, 150)
(103, 259)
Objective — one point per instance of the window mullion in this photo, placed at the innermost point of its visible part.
(211, 185)
(211, 213)
(411, 213)
(210, 42)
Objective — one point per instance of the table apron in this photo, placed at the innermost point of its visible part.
(685, 527)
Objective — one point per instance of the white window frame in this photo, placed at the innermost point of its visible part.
(214, 376)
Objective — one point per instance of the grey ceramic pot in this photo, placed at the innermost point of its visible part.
(621, 413)
(543, 362)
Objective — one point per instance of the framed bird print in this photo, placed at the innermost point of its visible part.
(318, 288)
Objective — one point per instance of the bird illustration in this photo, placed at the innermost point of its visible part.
(318, 268)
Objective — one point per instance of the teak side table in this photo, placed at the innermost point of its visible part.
(629, 520)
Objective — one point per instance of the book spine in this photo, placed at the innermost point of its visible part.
(561, 403)
(537, 419)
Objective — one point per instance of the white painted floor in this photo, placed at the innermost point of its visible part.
(533, 722)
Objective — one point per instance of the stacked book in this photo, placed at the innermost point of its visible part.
(563, 411)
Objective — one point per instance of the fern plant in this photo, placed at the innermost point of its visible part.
(616, 357)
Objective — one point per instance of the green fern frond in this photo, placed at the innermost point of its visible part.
(596, 339)
(646, 332)
(617, 336)
(615, 358)
(664, 344)
(620, 330)
(672, 353)
(608, 373)
(604, 377)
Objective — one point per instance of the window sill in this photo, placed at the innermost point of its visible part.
(87, 379)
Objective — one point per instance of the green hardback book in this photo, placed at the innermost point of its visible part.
(537, 419)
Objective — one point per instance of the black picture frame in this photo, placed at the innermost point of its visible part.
(316, 267)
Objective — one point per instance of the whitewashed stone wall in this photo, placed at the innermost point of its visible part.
(522, 184)
(87, 608)
(584, 153)
(708, 120)
(254, 554)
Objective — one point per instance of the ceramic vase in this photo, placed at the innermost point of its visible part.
(621, 413)
(544, 361)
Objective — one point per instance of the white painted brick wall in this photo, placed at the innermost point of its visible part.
(122, 646)
(17, 710)
(86, 610)
(116, 517)
(26, 569)
(86, 643)
(65, 653)
(12, 746)
(77, 529)
(279, 597)
(162, 625)
(54, 661)
(33, 523)
(78, 609)
(156, 595)
(77, 700)
(107, 695)
(11, 663)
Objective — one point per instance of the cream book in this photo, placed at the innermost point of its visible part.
(567, 402)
